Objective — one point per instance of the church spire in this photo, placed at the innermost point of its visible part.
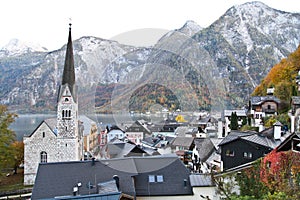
(69, 72)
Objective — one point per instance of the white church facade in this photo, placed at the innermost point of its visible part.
(56, 140)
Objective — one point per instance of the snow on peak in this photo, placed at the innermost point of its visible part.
(17, 47)
(190, 28)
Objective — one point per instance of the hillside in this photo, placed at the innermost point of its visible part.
(282, 77)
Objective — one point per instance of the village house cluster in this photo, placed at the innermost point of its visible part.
(72, 156)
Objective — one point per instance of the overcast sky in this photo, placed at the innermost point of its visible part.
(46, 21)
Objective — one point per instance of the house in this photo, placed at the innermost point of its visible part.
(137, 177)
(115, 132)
(295, 113)
(241, 114)
(262, 106)
(89, 132)
(204, 148)
(203, 186)
(240, 147)
(118, 149)
(183, 147)
(186, 131)
(137, 131)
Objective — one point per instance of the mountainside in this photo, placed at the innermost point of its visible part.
(189, 68)
(283, 77)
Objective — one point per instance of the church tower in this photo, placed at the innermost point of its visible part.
(68, 139)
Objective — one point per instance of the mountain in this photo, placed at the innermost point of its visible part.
(16, 47)
(189, 68)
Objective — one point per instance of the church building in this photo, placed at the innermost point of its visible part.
(56, 140)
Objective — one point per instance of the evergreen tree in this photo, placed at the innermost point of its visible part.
(234, 121)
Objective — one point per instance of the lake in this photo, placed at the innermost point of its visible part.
(25, 124)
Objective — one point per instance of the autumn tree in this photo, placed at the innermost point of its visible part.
(7, 137)
(180, 118)
(18, 154)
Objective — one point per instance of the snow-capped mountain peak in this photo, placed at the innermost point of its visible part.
(190, 28)
(16, 47)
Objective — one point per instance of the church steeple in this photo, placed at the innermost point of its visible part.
(69, 72)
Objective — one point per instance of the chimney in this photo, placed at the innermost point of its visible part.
(277, 130)
(117, 179)
(261, 127)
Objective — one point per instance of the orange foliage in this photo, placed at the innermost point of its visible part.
(286, 70)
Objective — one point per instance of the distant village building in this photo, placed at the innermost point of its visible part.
(241, 114)
(59, 139)
(263, 106)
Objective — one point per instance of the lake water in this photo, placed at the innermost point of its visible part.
(25, 124)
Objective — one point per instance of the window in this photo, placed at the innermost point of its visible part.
(43, 134)
(248, 155)
(160, 178)
(43, 157)
(66, 114)
(151, 179)
(229, 152)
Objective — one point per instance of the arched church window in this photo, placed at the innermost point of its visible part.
(43, 157)
(63, 113)
(69, 113)
(43, 134)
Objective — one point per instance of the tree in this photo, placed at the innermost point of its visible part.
(180, 118)
(18, 156)
(7, 137)
(234, 121)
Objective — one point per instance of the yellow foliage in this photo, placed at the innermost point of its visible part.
(180, 118)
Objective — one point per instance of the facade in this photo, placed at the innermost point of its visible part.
(241, 114)
(239, 147)
(56, 140)
(137, 131)
(262, 106)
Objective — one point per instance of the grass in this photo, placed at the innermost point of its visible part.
(12, 183)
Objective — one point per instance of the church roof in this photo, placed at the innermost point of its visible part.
(68, 78)
(69, 72)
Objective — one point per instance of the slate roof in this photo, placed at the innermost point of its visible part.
(51, 123)
(258, 100)
(183, 130)
(87, 124)
(264, 138)
(201, 180)
(205, 148)
(118, 149)
(58, 179)
(183, 141)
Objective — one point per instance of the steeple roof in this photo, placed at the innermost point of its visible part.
(69, 72)
(68, 78)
